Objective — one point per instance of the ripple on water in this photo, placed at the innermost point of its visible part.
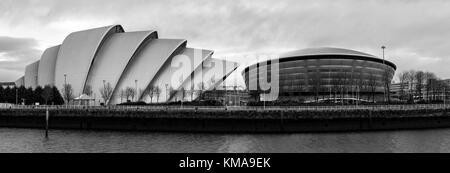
(32, 140)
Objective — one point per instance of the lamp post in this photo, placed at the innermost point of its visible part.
(384, 80)
(65, 79)
(36, 78)
(104, 89)
(65, 88)
(329, 83)
(444, 96)
(137, 94)
(17, 97)
(167, 93)
(104, 86)
(264, 103)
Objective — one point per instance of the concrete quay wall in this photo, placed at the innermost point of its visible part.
(226, 121)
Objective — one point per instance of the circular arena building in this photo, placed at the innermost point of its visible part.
(324, 75)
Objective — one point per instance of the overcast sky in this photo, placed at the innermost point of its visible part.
(415, 32)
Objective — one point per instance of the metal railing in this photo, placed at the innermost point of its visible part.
(237, 108)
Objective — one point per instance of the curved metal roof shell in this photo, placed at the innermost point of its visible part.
(47, 64)
(167, 71)
(325, 53)
(145, 65)
(113, 57)
(31, 75)
(77, 54)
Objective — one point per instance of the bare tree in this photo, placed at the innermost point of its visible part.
(341, 83)
(67, 93)
(88, 90)
(420, 79)
(47, 93)
(314, 84)
(201, 88)
(372, 83)
(130, 92)
(346, 82)
(439, 90)
(360, 84)
(366, 87)
(403, 78)
(298, 87)
(411, 78)
(212, 82)
(157, 93)
(435, 88)
(429, 80)
(192, 92)
(323, 88)
(150, 92)
(106, 92)
(122, 95)
(387, 85)
(335, 82)
(183, 93)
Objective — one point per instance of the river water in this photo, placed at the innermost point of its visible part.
(33, 140)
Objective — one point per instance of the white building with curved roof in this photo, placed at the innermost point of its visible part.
(31, 75)
(89, 59)
(48, 59)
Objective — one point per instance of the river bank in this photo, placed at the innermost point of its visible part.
(227, 121)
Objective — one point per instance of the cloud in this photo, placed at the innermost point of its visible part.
(9, 44)
(414, 31)
(15, 54)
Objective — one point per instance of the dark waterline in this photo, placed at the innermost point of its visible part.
(33, 140)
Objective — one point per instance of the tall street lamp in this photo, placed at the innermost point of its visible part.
(65, 88)
(444, 96)
(65, 79)
(104, 91)
(17, 97)
(137, 94)
(167, 94)
(384, 75)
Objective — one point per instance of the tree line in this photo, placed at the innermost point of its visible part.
(422, 86)
(130, 94)
(47, 95)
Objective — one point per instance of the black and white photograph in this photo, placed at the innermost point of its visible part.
(224, 76)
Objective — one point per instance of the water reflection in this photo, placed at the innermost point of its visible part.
(32, 140)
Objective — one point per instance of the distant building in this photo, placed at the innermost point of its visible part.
(6, 105)
(437, 90)
(396, 90)
(228, 97)
(7, 84)
(84, 100)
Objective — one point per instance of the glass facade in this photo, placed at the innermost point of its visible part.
(325, 77)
